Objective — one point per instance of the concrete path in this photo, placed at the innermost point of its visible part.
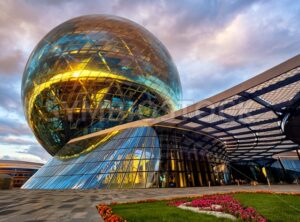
(74, 205)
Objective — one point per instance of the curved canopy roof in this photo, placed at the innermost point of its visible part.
(247, 117)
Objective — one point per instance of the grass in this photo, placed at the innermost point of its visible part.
(272, 206)
(285, 208)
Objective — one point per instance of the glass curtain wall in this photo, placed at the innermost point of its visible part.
(133, 158)
(130, 159)
(185, 160)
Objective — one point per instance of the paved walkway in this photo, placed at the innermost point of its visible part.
(74, 205)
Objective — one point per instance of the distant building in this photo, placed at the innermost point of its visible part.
(18, 171)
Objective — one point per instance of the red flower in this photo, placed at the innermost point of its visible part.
(223, 203)
(107, 214)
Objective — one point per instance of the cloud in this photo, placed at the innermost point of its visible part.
(23, 157)
(10, 98)
(256, 37)
(38, 151)
(10, 64)
(22, 148)
(16, 140)
(12, 126)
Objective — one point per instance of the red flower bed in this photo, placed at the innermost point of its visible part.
(226, 204)
(105, 211)
(107, 214)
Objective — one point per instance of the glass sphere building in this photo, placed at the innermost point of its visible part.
(94, 72)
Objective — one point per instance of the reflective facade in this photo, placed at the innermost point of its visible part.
(277, 171)
(185, 161)
(140, 157)
(94, 72)
(130, 159)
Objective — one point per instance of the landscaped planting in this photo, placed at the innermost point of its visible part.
(222, 203)
(244, 206)
(107, 214)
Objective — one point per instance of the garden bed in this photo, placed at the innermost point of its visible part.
(261, 205)
(224, 206)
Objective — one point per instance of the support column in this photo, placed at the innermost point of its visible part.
(281, 164)
(298, 153)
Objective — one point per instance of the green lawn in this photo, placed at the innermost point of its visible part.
(273, 207)
(285, 208)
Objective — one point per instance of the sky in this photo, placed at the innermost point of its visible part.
(215, 45)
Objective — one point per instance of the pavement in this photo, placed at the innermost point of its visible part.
(79, 205)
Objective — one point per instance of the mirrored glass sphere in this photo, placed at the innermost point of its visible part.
(95, 72)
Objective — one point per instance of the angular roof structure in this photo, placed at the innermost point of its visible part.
(245, 122)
